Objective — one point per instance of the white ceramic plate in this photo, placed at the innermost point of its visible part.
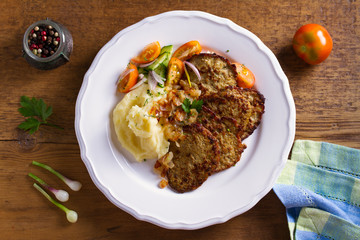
(133, 186)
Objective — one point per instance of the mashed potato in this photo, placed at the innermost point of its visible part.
(137, 131)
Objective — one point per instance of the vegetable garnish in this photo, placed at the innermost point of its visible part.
(157, 77)
(154, 79)
(36, 113)
(197, 105)
(245, 78)
(148, 54)
(124, 74)
(71, 215)
(175, 71)
(152, 83)
(142, 79)
(128, 79)
(147, 64)
(187, 50)
(187, 75)
(196, 71)
(187, 105)
(61, 195)
(73, 185)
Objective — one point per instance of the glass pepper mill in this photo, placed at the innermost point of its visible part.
(47, 44)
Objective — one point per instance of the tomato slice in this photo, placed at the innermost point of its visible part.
(175, 71)
(148, 54)
(129, 80)
(187, 50)
(245, 78)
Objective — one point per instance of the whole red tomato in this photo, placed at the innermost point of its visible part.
(312, 43)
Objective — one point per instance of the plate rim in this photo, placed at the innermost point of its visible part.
(285, 150)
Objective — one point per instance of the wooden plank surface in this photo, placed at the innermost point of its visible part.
(326, 97)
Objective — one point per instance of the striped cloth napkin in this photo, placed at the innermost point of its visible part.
(320, 188)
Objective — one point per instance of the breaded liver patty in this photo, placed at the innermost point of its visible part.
(230, 143)
(216, 73)
(229, 115)
(241, 108)
(194, 160)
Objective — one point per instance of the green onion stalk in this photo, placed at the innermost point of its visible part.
(73, 185)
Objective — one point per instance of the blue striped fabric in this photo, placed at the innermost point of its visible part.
(320, 188)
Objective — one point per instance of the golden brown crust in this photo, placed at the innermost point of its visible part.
(230, 143)
(194, 160)
(229, 115)
(216, 73)
(241, 108)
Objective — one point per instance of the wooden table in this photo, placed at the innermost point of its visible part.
(326, 97)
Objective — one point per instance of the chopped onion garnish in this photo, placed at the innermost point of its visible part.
(166, 108)
(154, 79)
(157, 77)
(196, 71)
(142, 79)
(152, 82)
(124, 74)
(146, 64)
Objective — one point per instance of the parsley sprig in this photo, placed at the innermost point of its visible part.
(36, 113)
(187, 105)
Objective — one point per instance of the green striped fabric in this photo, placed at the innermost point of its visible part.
(320, 188)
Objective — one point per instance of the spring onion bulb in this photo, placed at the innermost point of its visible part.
(71, 215)
(60, 195)
(73, 185)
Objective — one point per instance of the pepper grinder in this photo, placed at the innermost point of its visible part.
(43, 50)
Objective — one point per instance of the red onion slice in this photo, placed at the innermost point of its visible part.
(146, 64)
(142, 79)
(157, 77)
(124, 74)
(196, 71)
(152, 82)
